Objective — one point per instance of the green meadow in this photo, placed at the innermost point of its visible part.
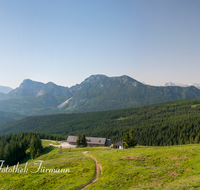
(142, 167)
(82, 171)
(173, 167)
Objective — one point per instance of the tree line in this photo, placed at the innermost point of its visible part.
(13, 147)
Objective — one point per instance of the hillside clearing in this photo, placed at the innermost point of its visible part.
(175, 167)
(142, 167)
(81, 171)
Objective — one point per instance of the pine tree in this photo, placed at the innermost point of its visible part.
(191, 140)
(132, 139)
(78, 141)
(181, 141)
(8, 154)
(126, 139)
(33, 150)
(197, 139)
(35, 147)
(84, 142)
(38, 144)
(129, 139)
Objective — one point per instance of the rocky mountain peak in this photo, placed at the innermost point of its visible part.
(94, 78)
(29, 84)
(126, 80)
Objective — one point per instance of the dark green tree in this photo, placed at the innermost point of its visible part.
(84, 142)
(197, 139)
(129, 139)
(35, 147)
(132, 138)
(126, 139)
(33, 150)
(78, 141)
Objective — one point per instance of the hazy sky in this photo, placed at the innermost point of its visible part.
(66, 41)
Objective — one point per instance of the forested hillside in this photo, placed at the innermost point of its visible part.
(13, 146)
(5, 116)
(175, 122)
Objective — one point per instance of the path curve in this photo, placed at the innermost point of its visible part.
(97, 168)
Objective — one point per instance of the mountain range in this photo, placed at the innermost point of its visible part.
(96, 93)
(197, 85)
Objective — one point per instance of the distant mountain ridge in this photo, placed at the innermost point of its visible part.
(95, 93)
(29, 88)
(197, 85)
(5, 89)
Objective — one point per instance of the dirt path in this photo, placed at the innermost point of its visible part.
(97, 168)
(64, 144)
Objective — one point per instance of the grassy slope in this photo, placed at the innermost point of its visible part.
(82, 171)
(175, 167)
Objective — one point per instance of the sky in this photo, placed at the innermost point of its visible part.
(66, 41)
